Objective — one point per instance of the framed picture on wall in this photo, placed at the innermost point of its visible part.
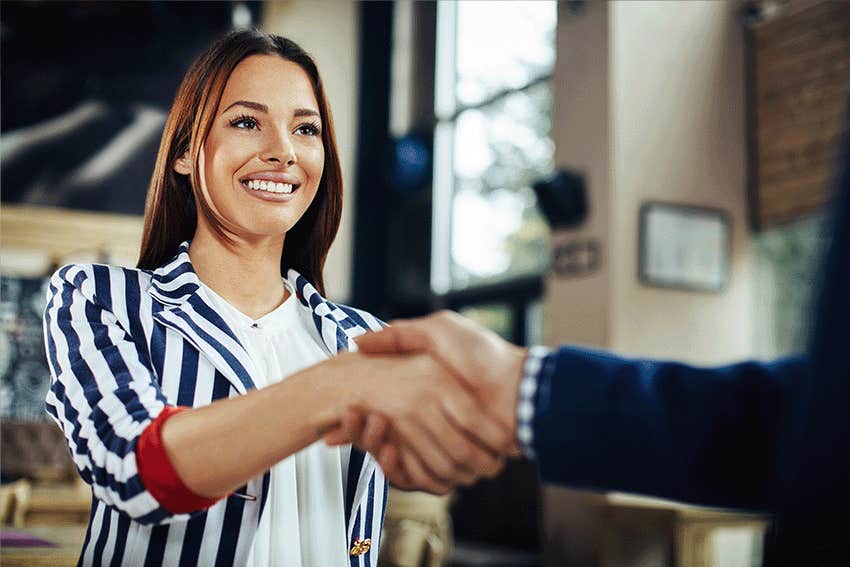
(684, 247)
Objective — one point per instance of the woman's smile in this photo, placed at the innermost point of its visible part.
(270, 191)
(276, 186)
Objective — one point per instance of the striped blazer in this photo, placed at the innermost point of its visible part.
(122, 344)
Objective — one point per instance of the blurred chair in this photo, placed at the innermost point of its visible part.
(34, 450)
(14, 502)
(417, 530)
(43, 485)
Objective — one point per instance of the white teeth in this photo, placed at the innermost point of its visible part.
(270, 186)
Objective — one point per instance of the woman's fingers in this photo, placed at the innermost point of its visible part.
(441, 436)
(468, 453)
(336, 437)
(472, 438)
(370, 433)
(349, 429)
(420, 478)
(389, 458)
(458, 452)
(445, 452)
(375, 433)
(464, 412)
(413, 431)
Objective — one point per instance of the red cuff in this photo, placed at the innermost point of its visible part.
(158, 474)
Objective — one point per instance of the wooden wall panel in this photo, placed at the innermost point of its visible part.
(34, 238)
(800, 81)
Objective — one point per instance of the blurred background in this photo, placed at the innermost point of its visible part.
(646, 177)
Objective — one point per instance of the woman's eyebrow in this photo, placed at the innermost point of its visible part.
(249, 104)
(299, 112)
(259, 107)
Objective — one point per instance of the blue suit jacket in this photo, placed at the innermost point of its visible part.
(773, 437)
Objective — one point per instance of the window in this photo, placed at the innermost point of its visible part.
(501, 318)
(489, 242)
(473, 78)
(495, 316)
(491, 141)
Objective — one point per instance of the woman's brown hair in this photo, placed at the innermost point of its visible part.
(170, 210)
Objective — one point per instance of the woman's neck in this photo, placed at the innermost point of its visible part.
(246, 273)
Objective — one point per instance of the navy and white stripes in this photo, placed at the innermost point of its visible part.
(122, 344)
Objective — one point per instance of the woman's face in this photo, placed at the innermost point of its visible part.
(263, 157)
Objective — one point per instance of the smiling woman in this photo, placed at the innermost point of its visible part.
(277, 142)
(188, 389)
(263, 107)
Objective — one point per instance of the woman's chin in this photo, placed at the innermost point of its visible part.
(267, 228)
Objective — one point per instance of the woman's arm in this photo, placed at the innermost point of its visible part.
(105, 396)
(217, 448)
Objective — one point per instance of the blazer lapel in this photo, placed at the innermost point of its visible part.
(177, 286)
(338, 327)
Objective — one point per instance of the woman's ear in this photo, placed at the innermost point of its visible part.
(183, 164)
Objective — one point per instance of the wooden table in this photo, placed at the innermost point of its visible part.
(615, 529)
(688, 528)
(69, 540)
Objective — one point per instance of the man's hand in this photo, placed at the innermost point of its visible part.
(440, 433)
(488, 366)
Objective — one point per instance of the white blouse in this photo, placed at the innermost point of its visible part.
(303, 521)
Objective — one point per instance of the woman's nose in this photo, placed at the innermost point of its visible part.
(280, 150)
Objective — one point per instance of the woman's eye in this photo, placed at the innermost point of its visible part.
(308, 130)
(244, 123)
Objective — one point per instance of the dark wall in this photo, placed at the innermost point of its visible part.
(86, 89)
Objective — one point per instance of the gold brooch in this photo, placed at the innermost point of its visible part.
(360, 547)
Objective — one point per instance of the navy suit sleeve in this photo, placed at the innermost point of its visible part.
(701, 435)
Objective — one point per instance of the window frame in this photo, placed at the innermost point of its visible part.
(517, 292)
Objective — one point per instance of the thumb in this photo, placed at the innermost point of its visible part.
(377, 342)
(401, 337)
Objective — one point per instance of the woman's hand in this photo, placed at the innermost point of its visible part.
(488, 368)
(424, 428)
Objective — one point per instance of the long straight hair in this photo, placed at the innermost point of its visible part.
(174, 200)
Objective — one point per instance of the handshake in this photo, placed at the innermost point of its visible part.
(434, 400)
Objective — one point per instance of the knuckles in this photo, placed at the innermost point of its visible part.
(461, 453)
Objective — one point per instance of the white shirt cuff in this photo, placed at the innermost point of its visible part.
(525, 404)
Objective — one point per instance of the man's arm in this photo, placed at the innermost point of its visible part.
(595, 420)
(702, 435)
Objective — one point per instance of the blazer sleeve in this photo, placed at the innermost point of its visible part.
(102, 392)
(708, 436)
